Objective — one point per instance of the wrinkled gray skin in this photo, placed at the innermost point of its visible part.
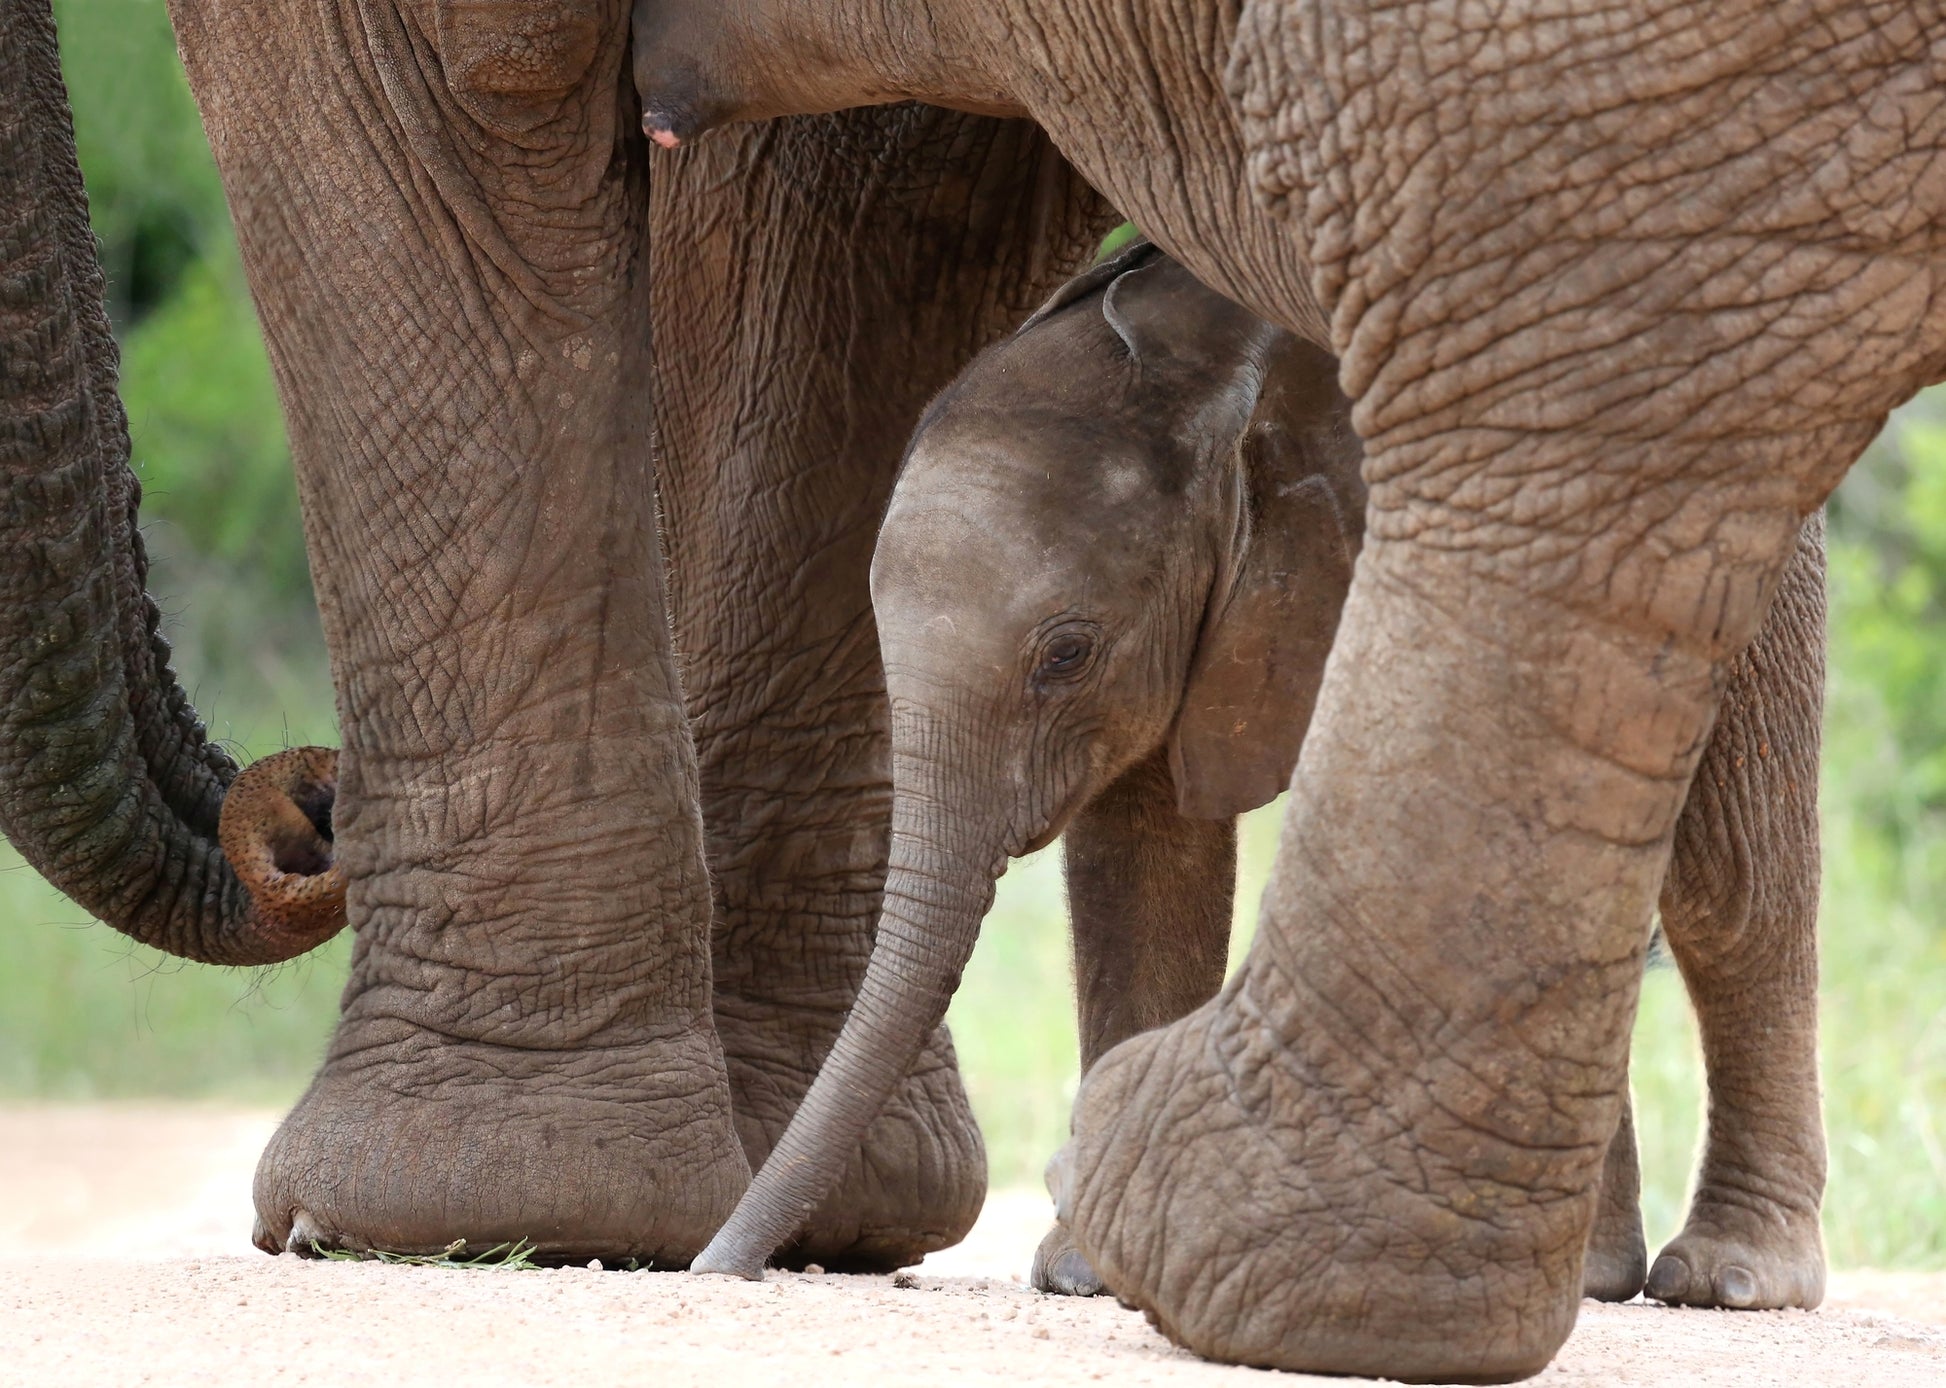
(604, 932)
(1618, 295)
(1171, 488)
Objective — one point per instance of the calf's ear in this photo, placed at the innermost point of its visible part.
(1282, 576)
(1094, 279)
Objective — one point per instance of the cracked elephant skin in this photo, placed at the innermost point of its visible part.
(597, 955)
(1618, 295)
(1174, 487)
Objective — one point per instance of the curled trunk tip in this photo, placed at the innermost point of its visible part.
(275, 829)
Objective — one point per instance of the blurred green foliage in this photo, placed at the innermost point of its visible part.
(203, 413)
(1887, 723)
(85, 1014)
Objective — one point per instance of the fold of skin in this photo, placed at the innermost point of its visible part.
(109, 784)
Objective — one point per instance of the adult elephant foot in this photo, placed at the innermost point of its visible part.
(525, 1049)
(614, 1151)
(1379, 1150)
(918, 1179)
(1731, 1255)
(1252, 1235)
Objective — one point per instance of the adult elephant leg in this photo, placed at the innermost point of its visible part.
(1740, 910)
(817, 281)
(442, 219)
(1603, 376)
(1379, 1149)
(1149, 901)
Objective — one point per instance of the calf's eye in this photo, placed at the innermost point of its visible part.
(1066, 654)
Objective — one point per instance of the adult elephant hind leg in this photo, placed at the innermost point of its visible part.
(1740, 912)
(817, 282)
(1149, 903)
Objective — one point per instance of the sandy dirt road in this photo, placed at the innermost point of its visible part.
(123, 1261)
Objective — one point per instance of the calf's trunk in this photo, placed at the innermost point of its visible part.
(945, 858)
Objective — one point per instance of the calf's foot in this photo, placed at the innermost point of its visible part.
(1618, 1253)
(1730, 1255)
(1616, 1267)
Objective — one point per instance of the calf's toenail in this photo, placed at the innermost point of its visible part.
(1737, 1286)
(1669, 1278)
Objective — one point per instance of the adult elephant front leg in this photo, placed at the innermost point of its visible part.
(1604, 375)
(816, 282)
(441, 214)
(1397, 1115)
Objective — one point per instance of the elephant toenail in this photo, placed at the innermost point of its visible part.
(1737, 1287)
(307, 1235)
(1075, 1275)
(1668, 1279)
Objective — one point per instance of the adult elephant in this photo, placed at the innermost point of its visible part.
(1619, 293)
(458, 249)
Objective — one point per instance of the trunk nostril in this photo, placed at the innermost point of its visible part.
(276, 831)
(314, 800)
(299, 853)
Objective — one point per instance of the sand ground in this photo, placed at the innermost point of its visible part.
(124, 1260)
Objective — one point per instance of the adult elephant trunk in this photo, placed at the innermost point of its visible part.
(949, 845)
(109, 784)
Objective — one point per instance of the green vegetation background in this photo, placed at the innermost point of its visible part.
(84, 1014)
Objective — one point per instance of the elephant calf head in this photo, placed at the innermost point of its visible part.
(1129, 527)
(1132, 524)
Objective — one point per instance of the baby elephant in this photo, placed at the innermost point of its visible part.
(1106, 588)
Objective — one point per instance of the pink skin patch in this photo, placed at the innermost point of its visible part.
(668, 139)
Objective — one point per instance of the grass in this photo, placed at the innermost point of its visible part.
(502, 1257)
(88, 1014)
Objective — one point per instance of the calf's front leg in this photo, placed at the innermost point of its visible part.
(1149, 901)
(1740, 911)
